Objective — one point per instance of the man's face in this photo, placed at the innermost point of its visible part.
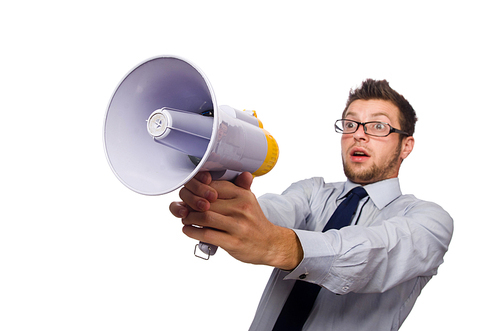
(368, 159)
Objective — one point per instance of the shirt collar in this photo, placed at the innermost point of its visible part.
(382, 193)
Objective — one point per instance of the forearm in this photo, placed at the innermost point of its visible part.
(286, 252)
(370, 259)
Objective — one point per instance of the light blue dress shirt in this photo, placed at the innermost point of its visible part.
(372, 271)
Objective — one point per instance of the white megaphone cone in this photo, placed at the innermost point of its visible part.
(163, 126)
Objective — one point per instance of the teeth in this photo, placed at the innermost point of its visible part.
(359, 153)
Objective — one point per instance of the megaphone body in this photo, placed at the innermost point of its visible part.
(163, 126)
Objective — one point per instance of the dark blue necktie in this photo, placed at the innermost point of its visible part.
(301, 299)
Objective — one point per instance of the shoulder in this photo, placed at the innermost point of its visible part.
(304, 191)
(412, 202)
(419, 210)
(314, 184)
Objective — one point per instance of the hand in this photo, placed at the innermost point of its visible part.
(235, 222)
(196, 195)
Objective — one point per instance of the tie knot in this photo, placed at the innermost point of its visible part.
(359, 191)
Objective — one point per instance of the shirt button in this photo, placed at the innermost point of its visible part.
(303, 276)
(345, 288)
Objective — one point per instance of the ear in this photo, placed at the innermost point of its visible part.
(407, 147)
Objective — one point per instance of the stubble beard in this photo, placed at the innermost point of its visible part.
(376, 172)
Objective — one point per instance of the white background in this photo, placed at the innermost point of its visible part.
(79, 251)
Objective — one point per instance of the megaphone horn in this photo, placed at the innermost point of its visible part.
(163, 126)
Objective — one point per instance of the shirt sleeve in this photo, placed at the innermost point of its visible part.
(290, 209)
(398, 246)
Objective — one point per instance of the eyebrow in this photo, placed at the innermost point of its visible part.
(381, 114)
(373, 115)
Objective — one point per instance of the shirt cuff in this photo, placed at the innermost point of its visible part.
(318, 257)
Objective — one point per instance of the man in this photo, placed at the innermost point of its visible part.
(371, 272)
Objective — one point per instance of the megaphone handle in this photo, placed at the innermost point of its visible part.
(207, 249)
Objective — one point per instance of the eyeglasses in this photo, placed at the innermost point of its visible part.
(377, 129)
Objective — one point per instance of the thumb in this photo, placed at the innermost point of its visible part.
(244, 180)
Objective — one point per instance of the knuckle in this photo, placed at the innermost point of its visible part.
(185, 194)
(203, 219)
(203, 177)
(245, 207)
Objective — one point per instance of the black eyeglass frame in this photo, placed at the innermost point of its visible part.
(392, 129)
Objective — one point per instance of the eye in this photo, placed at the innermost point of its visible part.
(379, 126)
(348, 125)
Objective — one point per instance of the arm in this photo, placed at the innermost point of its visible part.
(375, 258)
(228, 215)
(395, 244)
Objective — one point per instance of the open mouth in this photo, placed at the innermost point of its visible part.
(359, 154)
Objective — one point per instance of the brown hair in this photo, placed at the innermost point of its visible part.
(380, 89)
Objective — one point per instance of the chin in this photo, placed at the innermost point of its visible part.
(356, 177)
(362, 181)
(365, 175)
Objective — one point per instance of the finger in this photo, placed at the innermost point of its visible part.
(225, 189)
(204, 176)
(228, 190)
(193, 201)
(244, 180)
(207, 235)
(200, 186)
(197, 194)
(179, 209)
(210, 220)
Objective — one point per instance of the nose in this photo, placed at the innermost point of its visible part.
(360, 134)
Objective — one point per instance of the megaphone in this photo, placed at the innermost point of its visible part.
(163, 126)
